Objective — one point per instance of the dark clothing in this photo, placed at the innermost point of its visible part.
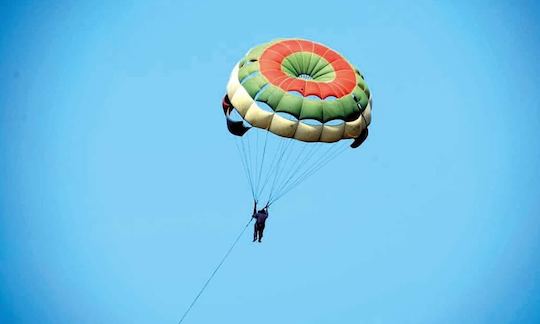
(258, 227)
(258, 231)
(260, 217)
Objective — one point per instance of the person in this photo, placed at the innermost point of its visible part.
(260, 217)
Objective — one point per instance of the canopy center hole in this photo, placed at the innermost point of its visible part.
(304, 76)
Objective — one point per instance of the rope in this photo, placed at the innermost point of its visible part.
(262, 164)
(303, 161)
(310, 171)
(272, 166)
(215, 271)
(279, 169)
(244, 164)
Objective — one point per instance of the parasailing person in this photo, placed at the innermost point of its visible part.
(260, 221)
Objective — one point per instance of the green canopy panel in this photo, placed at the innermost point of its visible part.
(305, 81)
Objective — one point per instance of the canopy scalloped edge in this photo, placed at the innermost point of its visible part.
(248, 108)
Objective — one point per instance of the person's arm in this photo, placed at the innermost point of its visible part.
(254, 207)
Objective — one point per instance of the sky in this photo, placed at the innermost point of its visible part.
(121, 189)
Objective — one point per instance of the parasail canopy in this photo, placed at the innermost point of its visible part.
(308, 95)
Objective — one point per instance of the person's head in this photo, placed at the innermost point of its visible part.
(262, 211)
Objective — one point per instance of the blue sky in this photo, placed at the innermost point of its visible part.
(120, 188)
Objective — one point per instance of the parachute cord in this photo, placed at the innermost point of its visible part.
(274, 165)
(329, 156)
(273, 168)
(303, 162)
(256, 166)
(244, 163)
(250, 163)
(214, 272)
(279, 170)
(306, 175)
(242, 158)
(262, 164)
(275, 191)
(295, 165)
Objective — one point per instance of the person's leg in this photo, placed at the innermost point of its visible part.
(261, 230)
(255, 232)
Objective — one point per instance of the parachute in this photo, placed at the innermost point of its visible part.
(293, 106)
